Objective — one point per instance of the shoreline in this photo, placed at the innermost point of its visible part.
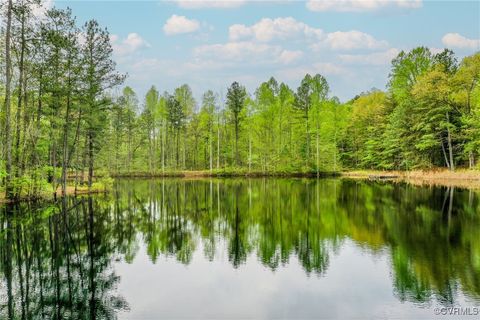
(225, 174)
(462, 178)
(48, 196)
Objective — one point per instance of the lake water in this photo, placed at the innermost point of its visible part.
(244, 248)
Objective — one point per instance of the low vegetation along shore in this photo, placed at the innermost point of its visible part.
(469, 179)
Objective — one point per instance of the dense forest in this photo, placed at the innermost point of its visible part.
(62, 121)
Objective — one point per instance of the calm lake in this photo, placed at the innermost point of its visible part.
(244, 248)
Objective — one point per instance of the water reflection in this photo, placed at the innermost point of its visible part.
(58, 260)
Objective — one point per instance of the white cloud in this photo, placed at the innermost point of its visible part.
(287, 56)
(274, 29)
(180, 24)
(456, 40)
(350, 40)
(359, 5)
(281, 29)
(130, 44)
(376, 58)
(246, 51)
(200, 4)
(239, 31)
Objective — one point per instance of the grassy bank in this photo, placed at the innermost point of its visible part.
(46, 193)
(460, 178)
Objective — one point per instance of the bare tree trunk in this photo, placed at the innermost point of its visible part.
(66, 126)
(84, 161)
(211, 149)
(184, 147)
(150, 150)
(450, 150)
(308, 138)
(335, 139)
(218, 143)
(21, 71)
(444, 154)
(7, 104)
(236, 140)
(90, 160)
(164, 137)
(317, 151)
(249, 153)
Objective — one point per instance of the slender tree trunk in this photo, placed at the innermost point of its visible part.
(280, 131)
(317, 155)
(163, 144)
(236, 140)
(90, 160)
(449, 140)
(149, 151)
(21, 71)
(444, 154)
(177, 148)
(27, 116)
(317, 138)
(66, 127)
(84, 160)
(249, 153)
(7, 104)
(117, 143)
(211, 149)
(335, 139)
(307, 129)
(35, 153)
(218, 144)
(184, 147)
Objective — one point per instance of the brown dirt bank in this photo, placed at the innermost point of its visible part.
(460, 178)
(70, 191)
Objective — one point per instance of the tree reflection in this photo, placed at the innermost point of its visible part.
(431, 233)
(57, 259)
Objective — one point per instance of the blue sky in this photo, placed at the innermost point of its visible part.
(209, 44)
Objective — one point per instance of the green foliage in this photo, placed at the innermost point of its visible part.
(428, 118)
(69, 124)
(102, 184)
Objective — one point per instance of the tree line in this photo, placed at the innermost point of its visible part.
(62, 121)
(429, 116)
